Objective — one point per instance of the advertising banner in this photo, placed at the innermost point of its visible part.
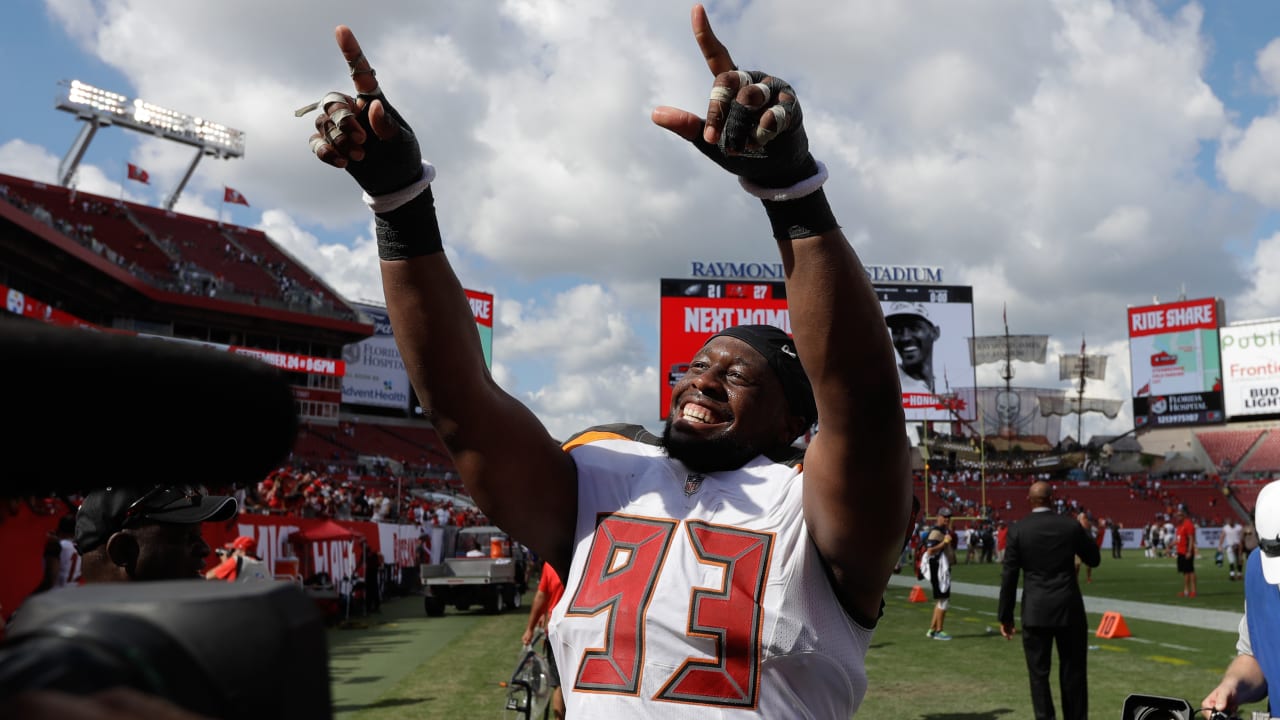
(931, 326)
(1251, 357)
(375, 373)
(482, 309)
(1176, 365)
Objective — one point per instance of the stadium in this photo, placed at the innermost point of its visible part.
(366, 503)
(97, 263)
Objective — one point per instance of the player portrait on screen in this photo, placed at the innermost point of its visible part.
(913, 334)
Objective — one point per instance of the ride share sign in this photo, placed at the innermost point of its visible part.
(1176, 367)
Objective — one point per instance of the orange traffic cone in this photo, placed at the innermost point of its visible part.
(1113, 626)
(916, 595)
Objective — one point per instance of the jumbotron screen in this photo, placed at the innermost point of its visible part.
(932, 347)
(1251, 358)
(1176, 365)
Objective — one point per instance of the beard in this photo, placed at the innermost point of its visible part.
(723, 452)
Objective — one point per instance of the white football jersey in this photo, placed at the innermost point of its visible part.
(699, 596)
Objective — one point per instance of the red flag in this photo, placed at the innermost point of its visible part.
(137, 173)
(231, 196)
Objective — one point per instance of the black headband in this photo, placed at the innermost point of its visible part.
(780, 351)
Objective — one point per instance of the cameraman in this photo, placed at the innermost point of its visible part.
(127, 534)
(1257, 663)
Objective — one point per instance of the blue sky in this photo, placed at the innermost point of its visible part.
(1067, 159)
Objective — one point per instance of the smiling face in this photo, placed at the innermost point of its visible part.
(913, 338)
(728, 408)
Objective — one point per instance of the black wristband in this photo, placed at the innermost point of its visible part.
(410, 230)
(802, 217)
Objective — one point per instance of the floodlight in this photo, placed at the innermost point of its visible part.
(99, 108)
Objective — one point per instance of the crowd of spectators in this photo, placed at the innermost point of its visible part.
(307, 493)
(186, 276)
(958, 490)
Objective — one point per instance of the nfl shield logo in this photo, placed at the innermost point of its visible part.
(693, 483)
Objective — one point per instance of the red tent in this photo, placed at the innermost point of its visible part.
(328, 530)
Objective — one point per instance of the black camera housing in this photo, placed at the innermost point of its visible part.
(225, 650)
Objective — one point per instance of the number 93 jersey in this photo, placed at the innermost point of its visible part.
(697, 595)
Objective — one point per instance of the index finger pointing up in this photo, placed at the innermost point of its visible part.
(715, 53)
(362, 74)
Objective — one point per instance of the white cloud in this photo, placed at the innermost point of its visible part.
(1269, 67)
(1044, 152)
(29, 161)
(1261, 299)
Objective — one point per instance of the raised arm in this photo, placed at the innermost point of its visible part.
(509, 463)
(857, 477)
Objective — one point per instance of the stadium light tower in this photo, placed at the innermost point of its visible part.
(101, 108)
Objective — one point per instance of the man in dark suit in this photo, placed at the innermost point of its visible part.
(1044, 546)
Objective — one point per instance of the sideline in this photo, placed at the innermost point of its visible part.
(367, 659)
(1193, 617)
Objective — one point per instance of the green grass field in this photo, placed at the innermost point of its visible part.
(404, 665)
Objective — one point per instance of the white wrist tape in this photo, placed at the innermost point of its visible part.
(808, 186)
(391, 201)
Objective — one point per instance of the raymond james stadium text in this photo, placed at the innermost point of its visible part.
(919, 274)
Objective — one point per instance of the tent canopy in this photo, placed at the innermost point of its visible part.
(329, 530)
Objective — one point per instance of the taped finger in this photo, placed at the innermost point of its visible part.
(332, 97)
(318, 144)
(334, 134)
(766, 132)
(765, 92)
(342, 113)
(721, 94)
(354, 69)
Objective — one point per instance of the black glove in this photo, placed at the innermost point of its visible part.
(782, 161)
(388, 165)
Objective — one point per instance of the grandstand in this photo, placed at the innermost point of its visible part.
(108, 263)
(1214, 472)
(1225, 448)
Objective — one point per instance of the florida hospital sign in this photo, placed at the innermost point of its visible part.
(913, 274)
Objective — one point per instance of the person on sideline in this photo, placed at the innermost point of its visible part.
(804, 545)
(1044, 547)
(129, 534)
(550, 590)
(1256, 666)
(1185, 540)
(939, 549)
(1231, 545)
(240, 562)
